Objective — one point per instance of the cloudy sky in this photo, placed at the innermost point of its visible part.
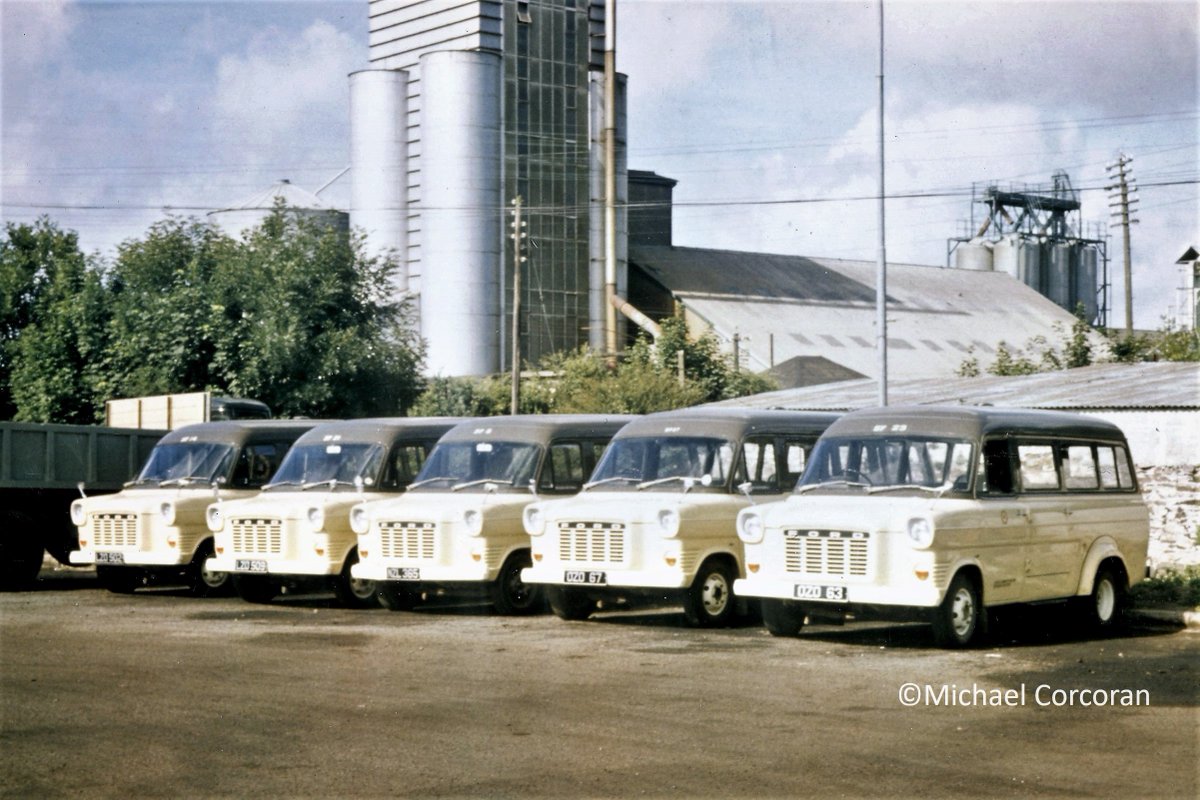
(765, 112)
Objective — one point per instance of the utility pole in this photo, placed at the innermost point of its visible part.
(881, 267)
(518, 236)
(1120, 203)
(610, 178)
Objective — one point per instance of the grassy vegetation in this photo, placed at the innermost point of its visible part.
(1172, 588)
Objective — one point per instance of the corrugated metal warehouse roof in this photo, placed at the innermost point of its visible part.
(1158, 386)
(820, 307)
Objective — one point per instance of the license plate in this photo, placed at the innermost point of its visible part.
(110, 558)
(404, 573)
(250, 565)
(590, 577)
(809, 592)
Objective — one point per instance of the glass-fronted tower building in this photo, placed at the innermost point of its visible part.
(466, 106)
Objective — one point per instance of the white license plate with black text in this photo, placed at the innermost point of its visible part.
(805, 591)
(589, 577)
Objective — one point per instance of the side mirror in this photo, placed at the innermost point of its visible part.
(746, 489)
(82, 493)
(359, 484)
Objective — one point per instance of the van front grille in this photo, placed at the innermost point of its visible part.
(257, 536)
(838, 554)
(114, 530)
(407, 539)
(591, 542)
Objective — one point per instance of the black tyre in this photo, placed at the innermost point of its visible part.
(396, 596)
(782, 617)
(20, 554)
(204, 582)
(569, 604)
(709, 601)
(119, 580)
(255, 588)
(354, 592)
(957, 621)
(511, 595)
(1106, 604)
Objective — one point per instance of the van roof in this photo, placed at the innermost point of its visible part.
(383, 429)
(538, 428)
(729, 422)
(974, 422)
(242, 431)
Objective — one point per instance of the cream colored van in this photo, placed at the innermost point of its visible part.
(153, 531)
(656, 522)
(940, 514)
(296, 533)
(459, 525)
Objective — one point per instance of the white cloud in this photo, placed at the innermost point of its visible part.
(285, 85)
(35, 31)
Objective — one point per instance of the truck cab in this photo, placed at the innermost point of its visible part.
(297, 531)
(656, 522)
(459, 524)
(154, 530)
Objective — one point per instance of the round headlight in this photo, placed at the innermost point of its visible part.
(167, 512)
(360, 520)
(668, 522)
(316, 517)
(212, 517)
(473, 519)
(920, 532)
(750, 526)
(534, 520)
(78, 517)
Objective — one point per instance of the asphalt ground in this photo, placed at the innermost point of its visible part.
(162, 695)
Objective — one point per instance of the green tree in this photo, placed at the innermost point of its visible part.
(163, 323)
(32, 259)
(303, 320)
(53, 315)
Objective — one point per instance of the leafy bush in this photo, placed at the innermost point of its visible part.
(1171, 588)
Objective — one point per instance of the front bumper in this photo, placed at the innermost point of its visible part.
(819, 592)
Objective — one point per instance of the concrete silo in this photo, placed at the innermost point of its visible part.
(379, 163)
(1019, 257)
(974, 255)
(462, 211)
(251, 211)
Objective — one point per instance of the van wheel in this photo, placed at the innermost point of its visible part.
(956, 621)
(204, 582)
(569, 604)
(1107, 601)
(709, 601)
(510, 594)
(352, 592)
(255, 588)
(395, 597)
(782, 617)
(119, 580)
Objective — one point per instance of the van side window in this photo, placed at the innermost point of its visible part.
(796, 459)
(995, 469)
(760, 464)
(564, 468)
(403, 465)
(1037, 467)
(1079, 466)
(1114, 467)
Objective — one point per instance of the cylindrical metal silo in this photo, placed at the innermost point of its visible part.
(1020, 258)
(1086, 269)
(379, 162)
(1058, 278)
(461, 210)
(974, 255)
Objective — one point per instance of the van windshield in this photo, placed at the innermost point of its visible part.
(877, 463)
(329, 465)
(478, 466)
(670, 462)
(185, 463)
